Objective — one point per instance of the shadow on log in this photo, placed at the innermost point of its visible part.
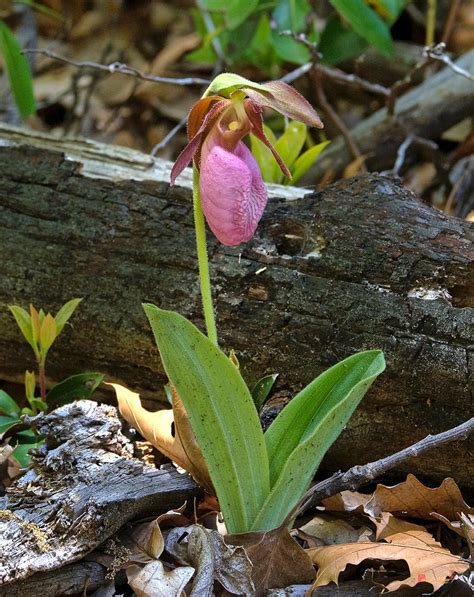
(361, 265)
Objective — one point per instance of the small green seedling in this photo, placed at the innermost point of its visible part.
(40, 330)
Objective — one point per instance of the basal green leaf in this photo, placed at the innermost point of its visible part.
(18, 72)
(222, 415)
(64, 314)
(290, 144)
(306, 160)
(367, 23)
(8, 406)
(23, 321)
(76, 387)
(305, 429)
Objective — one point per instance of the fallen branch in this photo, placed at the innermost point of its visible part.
(360, 475)
(441, 101)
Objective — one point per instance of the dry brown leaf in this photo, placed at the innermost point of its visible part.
(412, 498)
(213, 560)
(334, 531)
(153, 580)
(277, 559)
(157, 428)
(346, 501)
(390, 525)
(427, 560)
(145, 543)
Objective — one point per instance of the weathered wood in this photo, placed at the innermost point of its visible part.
(68, 580)
(80, 491)
(361, 265)
(443, 100)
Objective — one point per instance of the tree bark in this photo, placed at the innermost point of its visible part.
(361, 265)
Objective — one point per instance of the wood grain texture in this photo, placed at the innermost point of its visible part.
(361, 265)
(83, 487)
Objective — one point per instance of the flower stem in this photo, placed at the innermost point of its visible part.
(203, 262)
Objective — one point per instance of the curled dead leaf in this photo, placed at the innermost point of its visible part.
(153, 579)
(277, 559)
(206, 551)
(178, 444)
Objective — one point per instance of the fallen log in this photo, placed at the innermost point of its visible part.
(81, 490)
(442, 100)
(361, 265)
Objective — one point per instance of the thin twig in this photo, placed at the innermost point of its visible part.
(449, 25)
(437, 52)
(399, 87)
(334, 116)
(120, 68)
(169, 136)
(360, 475)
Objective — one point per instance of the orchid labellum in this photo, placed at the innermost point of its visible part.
(232, 190)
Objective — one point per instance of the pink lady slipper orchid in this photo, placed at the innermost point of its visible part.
(232, 190)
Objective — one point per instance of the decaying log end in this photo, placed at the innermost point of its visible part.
(81, 489)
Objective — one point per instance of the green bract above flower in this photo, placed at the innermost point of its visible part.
(232, 191)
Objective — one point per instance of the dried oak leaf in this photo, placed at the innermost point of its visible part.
(427, 560)
(157, 427)
(412, 498)
(277, 559)
(206, 551)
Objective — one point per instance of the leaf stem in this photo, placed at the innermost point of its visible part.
(42, 379)
(203, 261)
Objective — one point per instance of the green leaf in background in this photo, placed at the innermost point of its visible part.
(305, 429)
(262, 389)
(8, 406)
(76, 387)
(264, 157)
(261, 52)
(20, 453)
(64, 314)
(289, 146)
(305, 161)
(338, 43)
(290, 15)
(235, 11)
(389, 9)
(7, 422)
(18, 72)
(222, 414)
(367, 23)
